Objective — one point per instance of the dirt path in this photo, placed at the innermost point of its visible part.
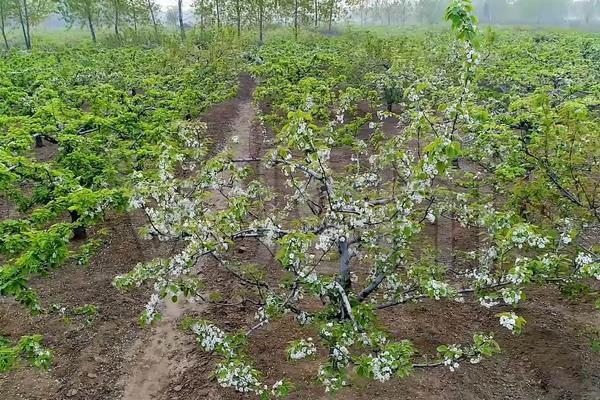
(160, 359)
(114, 359)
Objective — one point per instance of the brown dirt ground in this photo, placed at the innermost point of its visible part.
(110, 359)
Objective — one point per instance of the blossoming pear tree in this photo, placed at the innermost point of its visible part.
(367, 213)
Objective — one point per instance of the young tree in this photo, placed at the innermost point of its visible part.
(85, 12)
(365, 215)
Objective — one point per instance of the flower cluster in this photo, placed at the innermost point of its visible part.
(212, 338)
(524, 234)
(588, 265)
(394, 358)
(452, 354)
(301, 349)
(512, 322)
(239, 376)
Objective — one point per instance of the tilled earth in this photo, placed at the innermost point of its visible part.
(115, 358)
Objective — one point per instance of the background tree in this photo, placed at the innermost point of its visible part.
(114, 11)
(203, 10)
(180, 16)
(331, 7)
(84, 12)
(5, 7)
(296, 11)
(138, 13)
(259, 12)
(152, 8)
(29, 14)
(237, 9)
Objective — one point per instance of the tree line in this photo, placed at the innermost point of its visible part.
(23, 15)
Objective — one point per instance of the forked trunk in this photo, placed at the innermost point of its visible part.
(22, 21)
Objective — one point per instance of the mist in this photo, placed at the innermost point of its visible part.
(583, 14)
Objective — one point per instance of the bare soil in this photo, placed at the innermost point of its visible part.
(115, 358)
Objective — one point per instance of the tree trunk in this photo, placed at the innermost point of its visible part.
(181, 27)
(201, 15)
(218, 6)
(345, 265)
(23, 26)
(330, 14)
(116, 4)
(134, 20)
(2, 27)
(27, 24)
(316, 14)
(79, 232)
(153, 20)
(91, 25)
(238, 10)
(345, 281)
(260, 21)
(296, 19)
